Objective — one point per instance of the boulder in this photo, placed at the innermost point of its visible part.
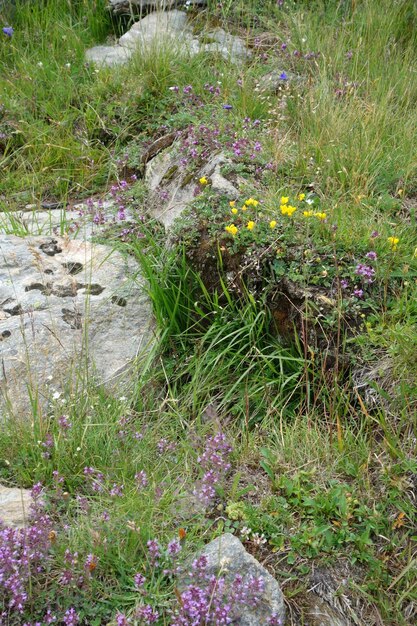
(165, 177)
(69, 310)
(168, 28)
(227, 555)
(14, 506)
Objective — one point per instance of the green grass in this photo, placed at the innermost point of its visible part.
(326, 476)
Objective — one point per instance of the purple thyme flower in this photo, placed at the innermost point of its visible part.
(122, 620)
(344, 283)
(365, 271)
(64, 422)
(154, 551)
(141, 479)
(147, 614)
(139, 580)
(71, 618)
(358, 293)
(8, 30)
(372, 255)
(174, 547)
(374, 234)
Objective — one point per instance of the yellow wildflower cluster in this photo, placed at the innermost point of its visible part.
(287, 209)
(203, 180)
(393, 241)
(318, 214)
(232, 229)
(251, 202)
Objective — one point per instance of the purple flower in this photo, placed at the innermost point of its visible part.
(372, 255)
(283, 76)
(174, 547)
(64, 422)
(141, 479)
(122, 620)
(154, 551)
(283, 46)
(8, 30)
(71, 618)
(358, 293)
(344, 283)
(147, 614)
(227, 107)
(365, 271)
(139, 580)
(374, 234)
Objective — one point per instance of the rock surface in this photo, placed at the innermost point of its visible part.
(165, 176)
(68, 310)
(226, 553)
(127, 7)
(76, 222)
(14, 506)
(168, 28)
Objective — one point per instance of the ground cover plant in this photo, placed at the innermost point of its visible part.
(279, 402)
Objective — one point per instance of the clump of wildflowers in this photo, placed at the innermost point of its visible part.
(214, 601)
(214, 461)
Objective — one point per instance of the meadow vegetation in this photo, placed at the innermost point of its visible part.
(298, 435)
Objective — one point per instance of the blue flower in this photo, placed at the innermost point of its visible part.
(227, 107)
(8, 30)
(283, 76)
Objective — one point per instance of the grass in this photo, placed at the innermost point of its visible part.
(320, 477)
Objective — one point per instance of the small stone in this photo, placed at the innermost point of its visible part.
(14, 506)
(228, 555)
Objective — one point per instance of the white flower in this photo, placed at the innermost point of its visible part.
(56, 395)
(40, 64)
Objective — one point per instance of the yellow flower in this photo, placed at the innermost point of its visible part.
(287, 209)
(301, 196)
(284, 200)
(203, 180)
(234, 211)
(308, 213)
(251, 202)
(272, 224)
(320, 216)
(244, 208)
(250, 225)
(393, 241)
(400, 192)
(232, 203)
(415, 253)
(231, 229)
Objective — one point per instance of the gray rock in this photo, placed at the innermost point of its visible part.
(231, 47)
(227, 555)
(272, 81)
(156, 28)
(171, 191)
(70, 310)
(129, 7)
(108, 55)
(14, 506)
(172, 28)
(76, 222)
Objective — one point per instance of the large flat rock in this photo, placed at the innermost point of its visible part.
(68, 310)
